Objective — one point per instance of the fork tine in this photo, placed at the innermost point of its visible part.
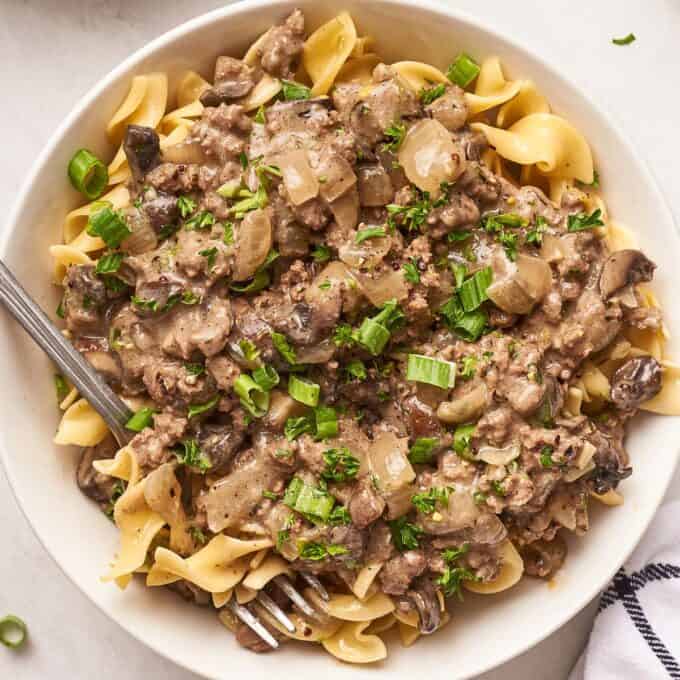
(245, 615)
(297, 599)
(314, 582)
(275, 611)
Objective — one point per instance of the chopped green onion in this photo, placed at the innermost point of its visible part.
(369, 232)
(420, 368)
(462, 235)
(310, 550)
(59, 311)
(326, 421)
(304, 391)
(109, 264)
(13, 631)
(581, 222)
(422, 450)
(462, 438)
(373, 336)
(270, 495)
(463, 70)
(293, 91)
(109, 225)
(243, 159)
(228, 237)
(140, 420)
(197, 409)
(339, 516)
(88, 174)
(472, 292)
(249, 349)
(61, 386)
(253, 398)
(284, 348)
(229, 189)
(266, 377)
(341, 465)
(624, 41)
(190, 454)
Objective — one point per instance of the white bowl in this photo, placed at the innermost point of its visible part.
(485, 631)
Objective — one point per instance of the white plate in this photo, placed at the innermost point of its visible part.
(485, 631)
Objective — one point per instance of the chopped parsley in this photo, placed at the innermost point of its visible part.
(395, 133)
(194, 369)
(581, 222)
(210, 254)
(61, 387)
(467, 367)
(339, 516)
(198, 536)
(453, 576)
(319, 551)
(370, 232)
(343, 335)
(535, 234)
(405, 535)
(228, 238)
(295, 427)
(321, 253)
(546, 457)
(189, 453)
(249, 349)
(422, 450)
(411, 273)
(109, 263)
(260, 116)
(201, 220)
(356, 369)
(426, 502)
(293, 91)
(429, 94)
(341, 465)
(186, 206)
(325, 285)
(411, 216)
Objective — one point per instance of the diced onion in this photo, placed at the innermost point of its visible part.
(496, 456)
(298, 178)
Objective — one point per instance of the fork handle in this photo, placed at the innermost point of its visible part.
(70, 362)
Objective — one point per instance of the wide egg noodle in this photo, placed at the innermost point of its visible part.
(492, 89)
(512, 568)
(528, 100)
(327, 49)
(81, 425)
(351, 644)
(215, 568)
(544, 139)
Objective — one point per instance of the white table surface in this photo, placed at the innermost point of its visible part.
(53, 51)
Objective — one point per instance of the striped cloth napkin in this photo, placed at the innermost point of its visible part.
(636, 634)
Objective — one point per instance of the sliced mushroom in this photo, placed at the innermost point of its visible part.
(424, 599)
(518, 286)
(142, 148)
(94, 484)
(233, 79)
(544, 558)
(638, 380)
(253, 242)
(623, 268)
(465, 408)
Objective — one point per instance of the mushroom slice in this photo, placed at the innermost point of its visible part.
(467, 407)
(253, 242)
(142, 148)
(638, 380)
(518, 286)
(424, 599)
(622, 268)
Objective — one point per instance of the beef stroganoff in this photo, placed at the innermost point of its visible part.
(375, 323)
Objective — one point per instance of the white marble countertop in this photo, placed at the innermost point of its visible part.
(53, 51)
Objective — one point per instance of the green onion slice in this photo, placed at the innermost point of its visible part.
(304, 391)
(13, 631)
(431, 371)
(109, 263)
(624, 41)
(373, 336)
(266, 377)
(369, 232)
(461, 440)
(254, 399)
(109, 225)
(88, 174)
(472, 292)
(326, 421)
(292, 90)
(140, 420)
(197, 409)
(61, 387)
(463, 70)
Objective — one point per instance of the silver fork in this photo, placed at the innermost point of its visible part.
(115, 413)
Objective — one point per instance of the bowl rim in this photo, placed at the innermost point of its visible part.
(196, 24)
